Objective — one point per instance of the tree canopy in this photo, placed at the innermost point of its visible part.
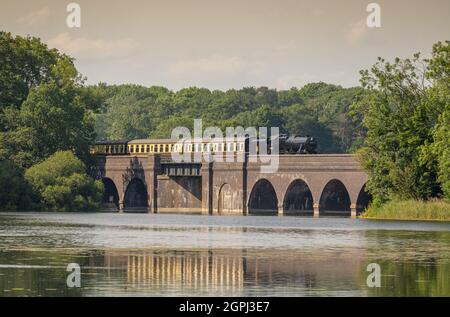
(46, 107)
(321, 110)
(406, 151)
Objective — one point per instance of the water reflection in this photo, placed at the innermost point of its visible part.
(170, 256)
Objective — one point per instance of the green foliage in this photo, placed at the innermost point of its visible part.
(54, 112)
(439, 71)
(15, 192)
(321, 110)
(63, 185)
(441, 149)
(165, 127)
(410, 210)
(25, 62)
(407, 126)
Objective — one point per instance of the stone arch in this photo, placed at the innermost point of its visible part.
(363, 201)
(225, 200)
(298, 198)
(335, 198)
(136, 196)
(110, 200)
(263, 198)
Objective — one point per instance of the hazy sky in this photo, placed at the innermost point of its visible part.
(229, 43)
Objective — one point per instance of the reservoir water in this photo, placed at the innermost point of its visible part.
(192, 255)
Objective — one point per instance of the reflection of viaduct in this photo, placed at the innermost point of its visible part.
(303, 184)
(232, 271)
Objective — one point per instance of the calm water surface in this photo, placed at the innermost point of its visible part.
(181, 255)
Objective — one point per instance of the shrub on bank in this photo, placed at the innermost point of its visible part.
(410, 210)
(63, 185)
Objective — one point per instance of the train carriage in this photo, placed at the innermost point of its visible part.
(287, 145)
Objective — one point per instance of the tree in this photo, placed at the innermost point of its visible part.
(400, 114)
(25, 62)
(299, 119)
(15, 192)
(63, 185)
(56, 115)
(439, 150)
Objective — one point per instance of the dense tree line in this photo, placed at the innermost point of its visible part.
(317, 109)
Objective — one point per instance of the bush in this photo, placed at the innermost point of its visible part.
(63, 185)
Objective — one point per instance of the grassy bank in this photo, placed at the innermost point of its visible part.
(411, 210)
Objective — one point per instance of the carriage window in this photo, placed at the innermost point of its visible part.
(148, 148)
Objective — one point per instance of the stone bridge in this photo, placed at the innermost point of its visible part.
(303, 184)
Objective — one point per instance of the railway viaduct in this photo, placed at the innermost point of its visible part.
(303, 184)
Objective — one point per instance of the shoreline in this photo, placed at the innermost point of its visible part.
(404, 219)
(410, 210)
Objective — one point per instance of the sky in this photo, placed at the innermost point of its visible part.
(230, 43)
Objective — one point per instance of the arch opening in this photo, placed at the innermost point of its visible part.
(298, 199)
(363, 201)
(110, 200)
(136, 197)
(225, 201)
(335, 199)
(263, 198)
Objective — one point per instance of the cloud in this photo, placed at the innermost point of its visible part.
(358, 31)
(93, 48)
(214, 64)
(35, 17)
